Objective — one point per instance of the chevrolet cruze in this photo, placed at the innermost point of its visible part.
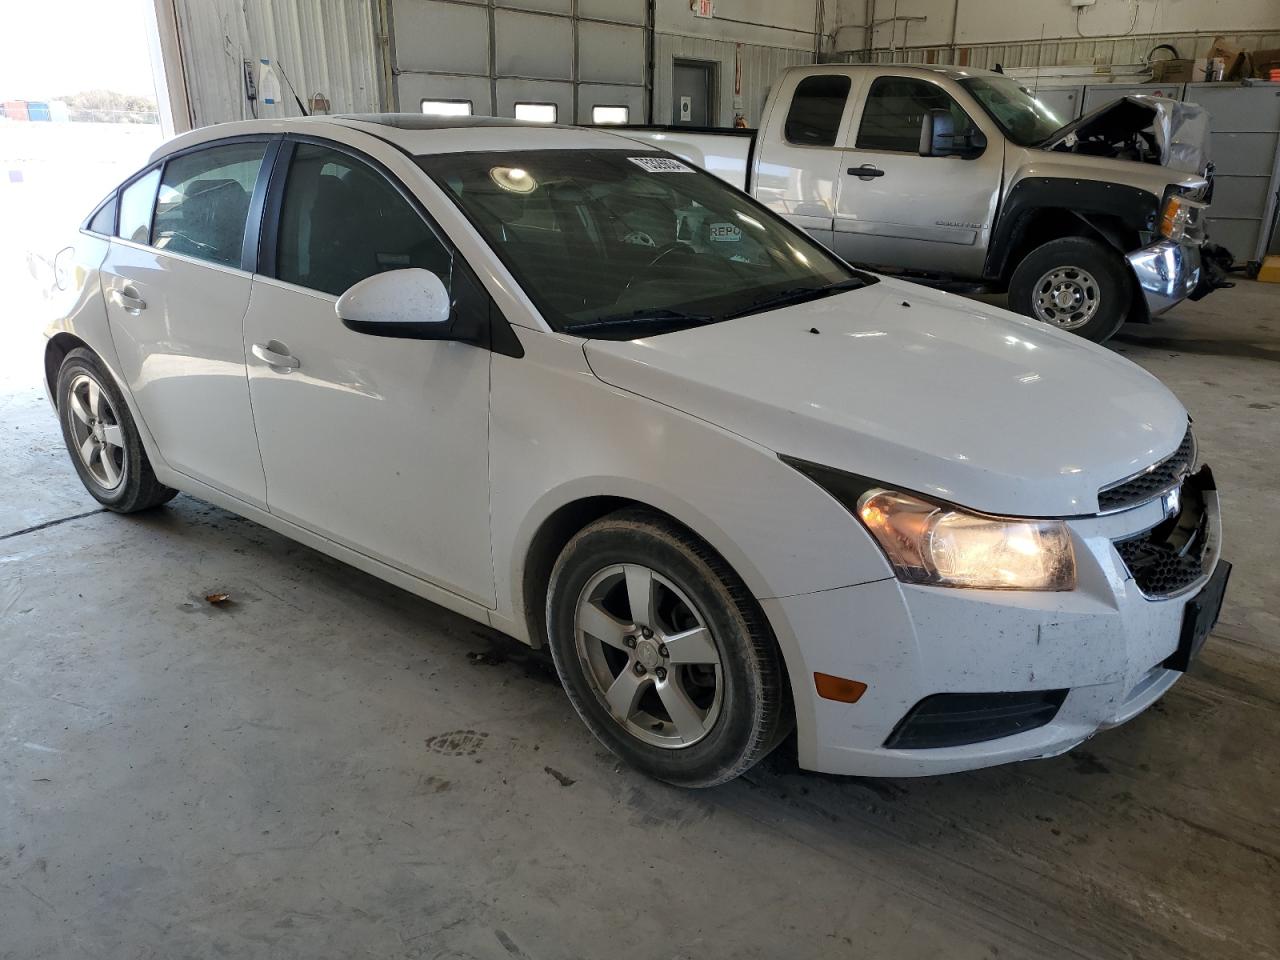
(565, 384)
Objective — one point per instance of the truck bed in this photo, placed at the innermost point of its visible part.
(726, 152)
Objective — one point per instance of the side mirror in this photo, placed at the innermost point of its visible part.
(411, 303)
(938, 137)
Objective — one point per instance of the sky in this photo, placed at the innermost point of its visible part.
(51, 48)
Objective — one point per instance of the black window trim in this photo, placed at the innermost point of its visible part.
(498, 336)
(844, 113)
(857, 134)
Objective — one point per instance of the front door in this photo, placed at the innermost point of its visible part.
(896, 208)
(691, 89)
(176, 295)
(379, 444)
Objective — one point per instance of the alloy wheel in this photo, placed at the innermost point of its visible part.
(96, 432)
(649, 655)
(1067, 297)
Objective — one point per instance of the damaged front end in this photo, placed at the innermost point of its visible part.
(1142, 129)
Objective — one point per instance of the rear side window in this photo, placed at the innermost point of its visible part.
(895, 110)
(104, 221)
(816, 110)
(204, 200)
(343, 221)
(137, 201)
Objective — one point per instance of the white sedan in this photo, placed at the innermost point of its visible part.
(566, 385)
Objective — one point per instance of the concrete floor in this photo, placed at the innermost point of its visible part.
(329, 767)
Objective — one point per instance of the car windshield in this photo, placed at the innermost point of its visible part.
(625, 243)
(1024, 119)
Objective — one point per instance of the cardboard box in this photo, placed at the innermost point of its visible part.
(1187, 71)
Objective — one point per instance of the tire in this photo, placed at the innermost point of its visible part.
(1095, 285)
(703, 642)
(96, 419)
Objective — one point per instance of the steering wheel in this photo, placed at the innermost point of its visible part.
(663, 252)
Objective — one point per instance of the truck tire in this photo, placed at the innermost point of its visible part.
(1075, 284)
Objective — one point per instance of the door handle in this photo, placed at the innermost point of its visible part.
(275, 356)
(866, 172)
(129, 302)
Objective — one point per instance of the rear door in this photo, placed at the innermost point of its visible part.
(379, 444)
(898, 209)
(799, 166)
(176, 285)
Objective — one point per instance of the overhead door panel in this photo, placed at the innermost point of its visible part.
(533, 45)
(512, 92)
(546, 6)
(592, 95)
(610, 54)
(626, 11)
(441, 37)
(413, 88)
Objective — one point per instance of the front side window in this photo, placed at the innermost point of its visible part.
(137, 202)
(895, 111)
(343, 221)
(594, 236)
(204, 200)
(816, 110)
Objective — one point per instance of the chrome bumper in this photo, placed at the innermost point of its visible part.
(1167, 272)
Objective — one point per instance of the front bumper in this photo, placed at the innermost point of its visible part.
(1167, 273)
(1105, 642)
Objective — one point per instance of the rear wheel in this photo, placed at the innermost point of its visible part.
(1075, 284)
(663, 652)
(102, 439)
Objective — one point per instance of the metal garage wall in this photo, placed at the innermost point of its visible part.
(325, 47)
(575, 54)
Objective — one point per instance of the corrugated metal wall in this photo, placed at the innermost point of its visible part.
(761, 66)
(1063, 52)
(324, 46)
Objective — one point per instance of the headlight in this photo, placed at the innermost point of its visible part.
(1182, 219)
(946, 546)
(930, 543)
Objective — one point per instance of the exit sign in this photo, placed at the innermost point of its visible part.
(703, 8)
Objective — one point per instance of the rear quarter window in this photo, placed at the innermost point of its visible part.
(816, 109)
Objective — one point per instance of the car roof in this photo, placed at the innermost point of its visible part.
(946, 70)
(418, 134)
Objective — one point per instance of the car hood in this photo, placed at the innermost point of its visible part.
(1180, 131)
(917, 389)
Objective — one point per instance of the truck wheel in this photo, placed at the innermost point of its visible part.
(1075, 284)
(663, 652)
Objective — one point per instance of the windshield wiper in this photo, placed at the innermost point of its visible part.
(650, 319)
(794, 295)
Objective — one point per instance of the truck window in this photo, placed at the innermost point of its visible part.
(816, 109)
(895, 109)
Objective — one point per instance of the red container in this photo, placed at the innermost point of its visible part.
(16, 109)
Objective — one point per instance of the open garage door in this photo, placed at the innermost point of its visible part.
(562, 61)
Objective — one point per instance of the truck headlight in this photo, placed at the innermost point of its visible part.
(933, 543)
(1182, 219)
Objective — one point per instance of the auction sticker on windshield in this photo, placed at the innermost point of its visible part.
(660, 165)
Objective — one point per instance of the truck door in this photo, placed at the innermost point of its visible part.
(799, 164)
(898, 209)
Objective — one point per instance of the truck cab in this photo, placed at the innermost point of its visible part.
(959, 176)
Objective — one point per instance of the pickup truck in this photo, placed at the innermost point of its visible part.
(957, 176)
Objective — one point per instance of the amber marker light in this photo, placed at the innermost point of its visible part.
(838, 688)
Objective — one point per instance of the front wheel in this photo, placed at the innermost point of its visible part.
(663, 652)
(1075, 284)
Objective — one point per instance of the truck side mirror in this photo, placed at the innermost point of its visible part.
(938, 137)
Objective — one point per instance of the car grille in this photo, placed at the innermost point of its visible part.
(1170, 557)
(1152, 482)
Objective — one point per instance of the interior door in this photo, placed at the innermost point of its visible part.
(379, 444)
(691, 90)
(176, 294)
(896, 208)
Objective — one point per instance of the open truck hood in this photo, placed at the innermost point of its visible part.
(1142, 128)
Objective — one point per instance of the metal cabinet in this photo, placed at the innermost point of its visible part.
(1063, 101)
(1099, 94)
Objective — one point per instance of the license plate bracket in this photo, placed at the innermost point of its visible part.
(1199, 617)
